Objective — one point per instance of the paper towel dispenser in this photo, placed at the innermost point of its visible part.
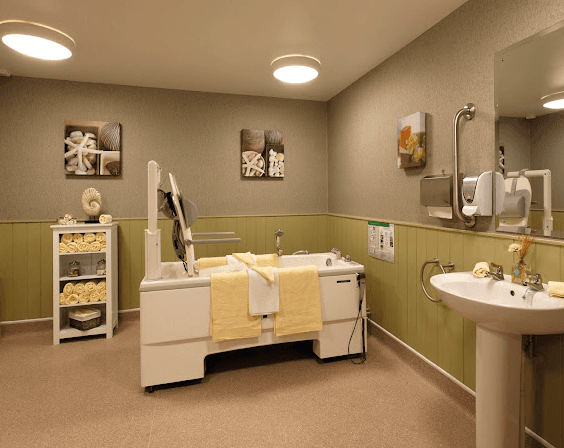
(435, 192)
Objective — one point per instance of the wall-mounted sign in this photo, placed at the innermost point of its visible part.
(381, 240)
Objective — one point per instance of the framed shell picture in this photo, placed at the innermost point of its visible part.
(262, 154)
(411, 141)
(92, 148)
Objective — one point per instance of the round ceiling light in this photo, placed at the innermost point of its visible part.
(36, 40)
(295, 68)
(553, 101)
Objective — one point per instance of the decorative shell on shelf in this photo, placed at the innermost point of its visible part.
(91, 202)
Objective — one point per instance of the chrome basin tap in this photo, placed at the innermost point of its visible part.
(337, 252)
(497, 273)
(301, 252)
(534, 282)
(278, 234)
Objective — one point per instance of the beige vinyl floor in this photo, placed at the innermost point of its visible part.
(86, 393)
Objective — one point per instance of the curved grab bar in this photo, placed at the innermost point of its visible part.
(467, 112)
(449, 265)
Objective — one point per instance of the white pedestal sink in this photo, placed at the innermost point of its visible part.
(502, 315)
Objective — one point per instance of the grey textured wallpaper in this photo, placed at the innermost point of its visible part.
(438, 73)
(196, 136)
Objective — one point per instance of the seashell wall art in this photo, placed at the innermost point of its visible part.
(262, 154)
(92, 148)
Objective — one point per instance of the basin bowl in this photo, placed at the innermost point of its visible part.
(501, 306)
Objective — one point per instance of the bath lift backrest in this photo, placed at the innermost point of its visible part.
(184, 215)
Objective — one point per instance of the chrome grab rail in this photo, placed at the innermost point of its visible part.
(449, 265)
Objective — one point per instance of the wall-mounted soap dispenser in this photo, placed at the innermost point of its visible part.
(477, 194)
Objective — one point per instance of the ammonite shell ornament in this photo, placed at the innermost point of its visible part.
(91, 203)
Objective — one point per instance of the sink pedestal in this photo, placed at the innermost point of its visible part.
(498, 390)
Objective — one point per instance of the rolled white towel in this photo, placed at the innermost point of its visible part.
(105, 219)
(480, 269)
(556, 289)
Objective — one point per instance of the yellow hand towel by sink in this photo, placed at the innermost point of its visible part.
(230, 318)
(267, 260)
(480, 269)
(556, 289)
(211, 262)
(300, 301)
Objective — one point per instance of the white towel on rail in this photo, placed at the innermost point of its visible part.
(264, 297)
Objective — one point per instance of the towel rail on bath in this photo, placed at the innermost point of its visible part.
(449, 265)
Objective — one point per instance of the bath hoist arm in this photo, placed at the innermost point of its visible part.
(467, 112)
(153, 234)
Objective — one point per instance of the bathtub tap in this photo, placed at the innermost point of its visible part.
(337, 252)
(278, 234)
(301, 252)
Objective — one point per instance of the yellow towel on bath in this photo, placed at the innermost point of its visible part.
(246, 258)
(267, 260)
(556, 289)
(211, 262)
(266, 272)
(300, 301)
(230, 318)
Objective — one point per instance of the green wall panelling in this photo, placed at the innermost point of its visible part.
(6, 270)
(20, 274)
(46, 267)
(412, 286)
(137, 258)
(124, 260)
(33, 268)
(401, 258)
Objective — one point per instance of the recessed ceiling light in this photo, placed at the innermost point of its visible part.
(553, 101)
(36, 40)
(295, 68)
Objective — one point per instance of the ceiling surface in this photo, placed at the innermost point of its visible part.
(223, 46)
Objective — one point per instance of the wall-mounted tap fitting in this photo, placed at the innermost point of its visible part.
(278, 234)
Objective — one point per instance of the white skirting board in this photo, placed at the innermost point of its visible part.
(44, 319)
(449, 376)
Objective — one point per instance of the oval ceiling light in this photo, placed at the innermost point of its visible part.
(36, 40)
(295, 68)
(553, 101)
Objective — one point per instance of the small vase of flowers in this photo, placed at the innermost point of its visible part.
(520, 247)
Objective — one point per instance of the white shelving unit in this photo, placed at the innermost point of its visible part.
(88, 262)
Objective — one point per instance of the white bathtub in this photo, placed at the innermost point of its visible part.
(175, 319)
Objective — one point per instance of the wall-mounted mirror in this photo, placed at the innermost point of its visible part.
(530, 136)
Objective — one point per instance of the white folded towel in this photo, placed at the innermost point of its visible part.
(105, 219)
(480, 269)
(264, 297)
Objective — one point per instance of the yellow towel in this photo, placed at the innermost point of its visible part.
(211, 262)
(230, 318)
(102, 295)
(94, 296)
(95, 246)
(83, 247)
(67, 238)
(266, 272)
(63, 248)
(480, 269)
(62, 299)
(246, 258)
(101, 237)
(300, 301)
(101, 286)
(79, 288)
(89, 238)
(72, 299)
(267, 260)
(83, 298)
(78, 238)
(68, 289)
(73, 247)
(90, 287)
(556, 289)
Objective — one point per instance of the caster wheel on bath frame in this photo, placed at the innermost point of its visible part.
(149, 389)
